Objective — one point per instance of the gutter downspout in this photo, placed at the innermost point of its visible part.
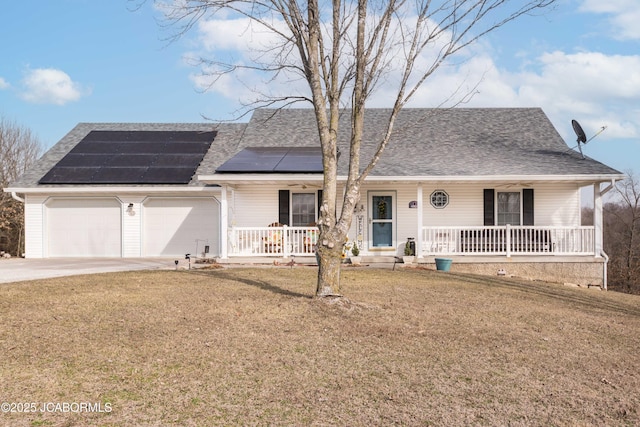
(606, 261)
(16, 197)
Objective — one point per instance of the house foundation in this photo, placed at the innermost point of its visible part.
(583, 271)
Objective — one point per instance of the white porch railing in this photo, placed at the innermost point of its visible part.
(508, 240)
(503, 240)
(272, 241)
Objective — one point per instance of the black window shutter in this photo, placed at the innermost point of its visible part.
(489, 206)
(527, 206)
(319, 202)
(283, 207)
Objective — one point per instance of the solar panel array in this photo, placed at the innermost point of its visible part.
(132, 157)
(275, 160)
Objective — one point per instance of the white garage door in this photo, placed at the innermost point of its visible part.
(84, 227)
(178, 226)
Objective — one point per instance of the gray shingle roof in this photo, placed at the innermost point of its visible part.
(437, 142)
(425, 142)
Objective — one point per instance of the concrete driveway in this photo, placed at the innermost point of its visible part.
(18, 269)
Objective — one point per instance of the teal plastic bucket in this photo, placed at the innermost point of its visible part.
(443, 264)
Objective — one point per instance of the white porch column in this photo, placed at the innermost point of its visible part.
(224, 224)
(597, 220)
(598, 215)
(420, 216)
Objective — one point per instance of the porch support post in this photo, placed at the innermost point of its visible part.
(598, 238)
(224, 224)
(597, 220)
(285, 241)
(420, 215)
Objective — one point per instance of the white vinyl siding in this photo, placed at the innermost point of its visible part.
(83, 227)
(175, 226)
(557, 205)
(34, 226)
(131, 227)
(255, 205)
(554, 204)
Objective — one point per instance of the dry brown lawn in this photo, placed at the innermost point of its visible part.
(252, 347)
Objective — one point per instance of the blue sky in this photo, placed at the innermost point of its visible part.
(68, 61)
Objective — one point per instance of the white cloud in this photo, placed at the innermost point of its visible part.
(624, 16)
(50, 86)
(603, 89)
(593, 87)
(244, 44)
(3, 84)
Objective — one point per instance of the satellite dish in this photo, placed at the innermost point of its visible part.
(582, 137)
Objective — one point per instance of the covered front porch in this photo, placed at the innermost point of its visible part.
(453, 228)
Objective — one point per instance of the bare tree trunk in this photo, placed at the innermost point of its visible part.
(329, 273)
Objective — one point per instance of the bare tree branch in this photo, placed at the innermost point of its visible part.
(19, 149)
(345, 51)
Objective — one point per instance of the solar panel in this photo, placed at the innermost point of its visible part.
(130, 175)
(275, 160)
(132, 157)
(302, 159)
(139, 160)
(94, 148)
(69, 175)
(168, 175)
(83, 160)
(177, 160)
(136, 147)
(184, 147)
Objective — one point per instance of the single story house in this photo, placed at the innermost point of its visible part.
(491, 188)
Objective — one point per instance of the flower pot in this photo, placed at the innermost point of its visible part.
(355, 260)
(408, 259)
(443, 264)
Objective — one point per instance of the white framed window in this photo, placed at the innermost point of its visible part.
(439, 199)
(509, 208)
(303, 209)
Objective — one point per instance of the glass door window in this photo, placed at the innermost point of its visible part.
(382, 217)
(509, 208)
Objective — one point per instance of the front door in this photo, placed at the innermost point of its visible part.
(382, 226)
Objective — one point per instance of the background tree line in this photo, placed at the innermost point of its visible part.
(19, 149)
(621, 234)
